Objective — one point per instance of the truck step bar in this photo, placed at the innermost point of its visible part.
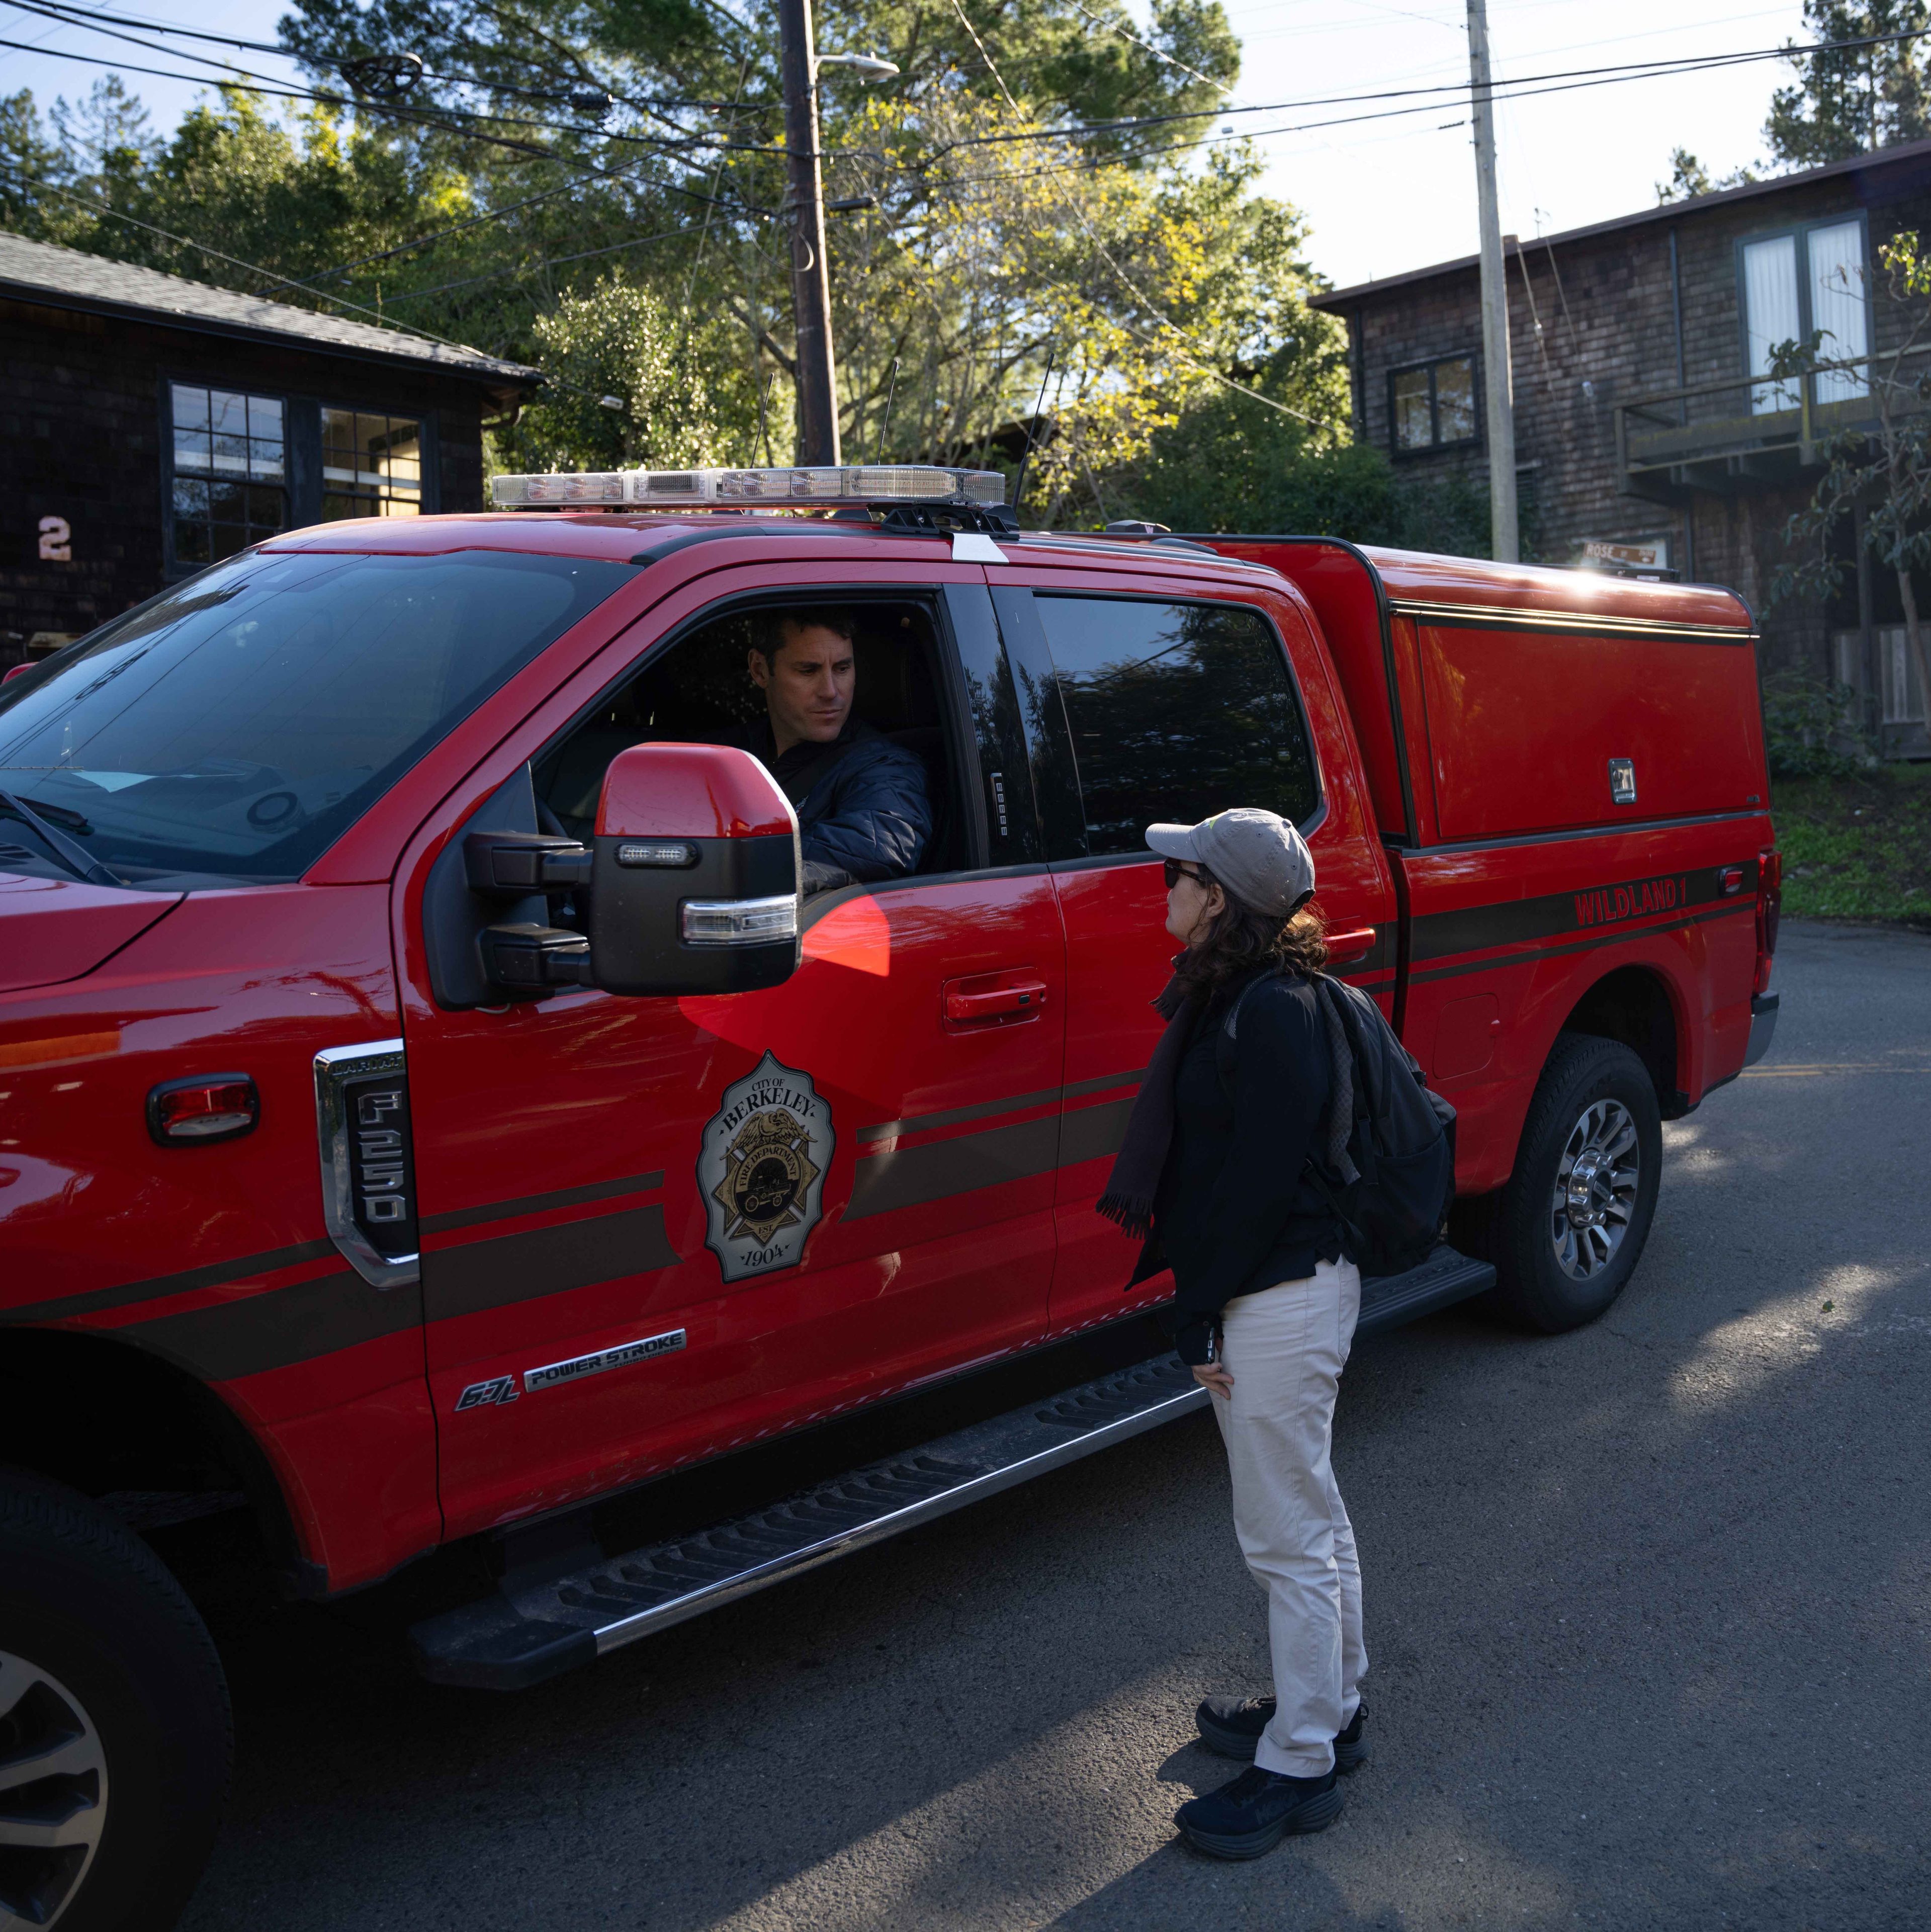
(521, 1636)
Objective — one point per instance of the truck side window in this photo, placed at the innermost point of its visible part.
(698, 691)
(1175, 712)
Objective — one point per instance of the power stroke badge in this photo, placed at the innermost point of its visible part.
(761, 1169)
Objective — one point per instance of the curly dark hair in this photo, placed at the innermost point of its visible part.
(1241, 941)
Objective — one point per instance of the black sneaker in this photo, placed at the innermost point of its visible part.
(1254, 1814)
(1232, 1726)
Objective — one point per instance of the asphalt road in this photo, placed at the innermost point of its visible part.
(1646, 1608)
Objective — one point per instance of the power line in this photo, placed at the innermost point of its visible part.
(1522, 90)
(1523, 84)
(87, 16)
(537, 268)
(436, 118)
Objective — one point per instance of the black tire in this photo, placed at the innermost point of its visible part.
(1538, 1283)
(106, 1663)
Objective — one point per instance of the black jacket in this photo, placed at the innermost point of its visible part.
(863, 811)
(1235, 1211)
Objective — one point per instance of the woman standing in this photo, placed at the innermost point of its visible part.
(1214, 1169)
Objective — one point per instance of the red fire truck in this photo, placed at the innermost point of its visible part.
(431, 1117)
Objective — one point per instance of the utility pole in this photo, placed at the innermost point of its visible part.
(1498, 381)
(810, 285)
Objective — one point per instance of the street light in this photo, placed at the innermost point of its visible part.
(867, 67)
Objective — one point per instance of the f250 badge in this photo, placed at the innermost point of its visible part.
(761, 1169)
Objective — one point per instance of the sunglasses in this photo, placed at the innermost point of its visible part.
(1175, 872)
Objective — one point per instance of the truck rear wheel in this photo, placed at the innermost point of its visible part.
(1576, 1211)
(115, 1733)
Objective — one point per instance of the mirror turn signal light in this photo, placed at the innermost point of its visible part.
(739, 922)
(204, 1107)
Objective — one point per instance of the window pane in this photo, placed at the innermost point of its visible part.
(1413, 429)
(191, 407)
(1454, 399)
(180, 734)
(371, 465)
(1177, 711)
(1837, 307)
(237, 439)
(1770, 305)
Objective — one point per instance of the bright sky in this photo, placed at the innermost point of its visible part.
(1382, 196)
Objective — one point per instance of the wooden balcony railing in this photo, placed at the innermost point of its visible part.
(1714, 436)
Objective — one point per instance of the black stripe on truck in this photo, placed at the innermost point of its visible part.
(1617, 907)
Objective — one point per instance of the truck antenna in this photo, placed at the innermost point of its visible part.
(1026, 455)
(885, 427)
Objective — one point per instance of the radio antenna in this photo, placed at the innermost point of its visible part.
(1026, 455)
(885, 427)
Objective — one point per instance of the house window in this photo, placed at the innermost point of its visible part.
(1811, 279)
(371, 465)
(1431, 406)
(229, 485)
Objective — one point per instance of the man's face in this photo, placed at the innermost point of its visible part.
(807, 685)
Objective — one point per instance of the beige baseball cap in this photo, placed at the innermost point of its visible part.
(1257, 855)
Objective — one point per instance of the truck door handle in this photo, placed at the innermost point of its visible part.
(1343, 946)
(993, 999)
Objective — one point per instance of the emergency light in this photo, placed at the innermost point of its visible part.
(674, 489)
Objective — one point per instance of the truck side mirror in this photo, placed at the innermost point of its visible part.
(695, 878)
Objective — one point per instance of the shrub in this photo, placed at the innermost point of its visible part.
(1814, 729)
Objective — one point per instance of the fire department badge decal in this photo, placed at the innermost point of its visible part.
(761, 1169)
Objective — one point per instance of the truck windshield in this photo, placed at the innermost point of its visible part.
(230, 730)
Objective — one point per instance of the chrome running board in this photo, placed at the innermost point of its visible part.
(528, 1632)
(510, 1640)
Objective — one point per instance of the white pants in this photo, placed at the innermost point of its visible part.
(1284, 1347)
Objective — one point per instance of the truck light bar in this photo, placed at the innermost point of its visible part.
(671, 489)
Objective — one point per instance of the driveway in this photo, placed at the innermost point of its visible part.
(1647, 1609)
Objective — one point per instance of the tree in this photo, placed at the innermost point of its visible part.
(1884, 466)
(1688, 177)
(1851, 99)
(598, 186)
(628, 388)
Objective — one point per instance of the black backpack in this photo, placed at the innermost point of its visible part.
(1392, 1178)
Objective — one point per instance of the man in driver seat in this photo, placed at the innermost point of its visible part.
(863, 810)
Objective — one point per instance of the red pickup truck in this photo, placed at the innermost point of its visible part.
(430, 1111)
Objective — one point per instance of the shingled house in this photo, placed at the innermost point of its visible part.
(150, 425)
(1641, 441)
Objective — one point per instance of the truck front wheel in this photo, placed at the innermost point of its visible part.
(1577, 1210)
(115, 1734)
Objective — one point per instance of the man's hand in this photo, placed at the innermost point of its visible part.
(1213, 1376)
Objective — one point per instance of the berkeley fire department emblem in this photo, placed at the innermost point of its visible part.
(761, 1169)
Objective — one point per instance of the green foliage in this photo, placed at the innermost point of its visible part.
(641, 252)
(1688, 177)
(1851, 100)
(1858, 848)
(1813, 729)
(1230, 464)
(615, 343)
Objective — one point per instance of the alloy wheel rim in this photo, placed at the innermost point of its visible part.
(53, 1795)
(1596, 1181)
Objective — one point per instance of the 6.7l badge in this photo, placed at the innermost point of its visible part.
(761, 1169)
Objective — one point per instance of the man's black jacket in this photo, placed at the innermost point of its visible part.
(862, 806)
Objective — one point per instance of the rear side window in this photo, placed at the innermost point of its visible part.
(231, 730)
(1176, 711)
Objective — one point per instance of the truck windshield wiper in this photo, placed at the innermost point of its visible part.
(77, 859)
